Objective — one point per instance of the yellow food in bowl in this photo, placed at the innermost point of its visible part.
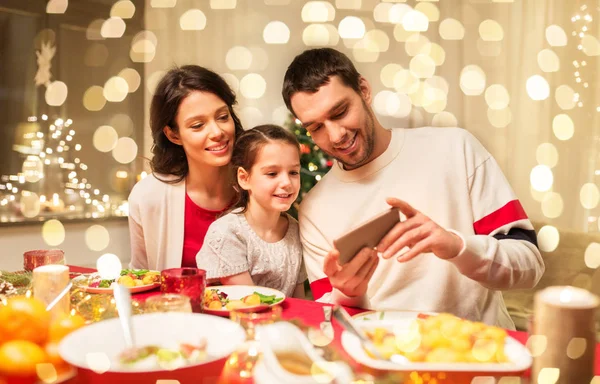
(442, 339)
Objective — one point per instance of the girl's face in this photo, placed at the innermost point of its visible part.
(206, 129)
(274, 180)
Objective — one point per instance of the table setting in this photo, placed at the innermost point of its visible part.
(70, 324)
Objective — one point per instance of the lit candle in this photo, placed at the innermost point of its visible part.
(48, 282)
(565, 318)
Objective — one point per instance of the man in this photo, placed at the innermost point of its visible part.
(465, 236)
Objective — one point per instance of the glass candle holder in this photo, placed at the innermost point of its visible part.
(190, 282)
(251, 317)
(40, 257)
(243, 361)
(169, 302)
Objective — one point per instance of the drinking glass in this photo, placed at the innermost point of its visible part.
(169, 302)
(190, 282)
(243, 361)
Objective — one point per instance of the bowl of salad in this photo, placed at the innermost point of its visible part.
(172, 345)
(137, 280)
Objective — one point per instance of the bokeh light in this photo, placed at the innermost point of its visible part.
(537, 88)
(351, 27)
(472, 80)
(223, 4)
(113, 28)
(415, 21)
(451, 29)
(592, 256)
(276, 32)
(499, 118)
(115, 89)
(422, 66)
(132, 77)
(491, 30)
(563, 127)
(430, 10)
(496, 97)
(548, 238)
(97, 238)
(547, 154)
(251, 117)
(590, 45)
(552, 205)
(565, 97)
(317, 12)
(30, 204)
(192, 20)
(556, 36)
(105, 138)
(541, 178)
(238, 58)
(253, 86)
(387, 74)
(444, 119)
(548, 61)
(56, 93)
(123, 9)
(93, 98)
(53, 232)
(589, 196)
(232, 81)
(57, 6)
(125, 151)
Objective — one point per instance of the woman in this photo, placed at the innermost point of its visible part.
(193, 130)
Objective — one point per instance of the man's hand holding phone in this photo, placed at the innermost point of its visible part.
(352, 278)
(419, 233)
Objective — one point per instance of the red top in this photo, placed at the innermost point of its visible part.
(197, 221)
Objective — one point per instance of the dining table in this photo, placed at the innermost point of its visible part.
(310, 314)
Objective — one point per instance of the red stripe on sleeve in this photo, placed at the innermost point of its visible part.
(320, 287)
(511, 212)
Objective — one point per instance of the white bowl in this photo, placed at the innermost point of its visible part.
(91, 347)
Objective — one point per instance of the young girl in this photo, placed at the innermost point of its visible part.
(194, 129)
(257, 243)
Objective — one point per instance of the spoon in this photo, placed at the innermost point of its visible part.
(60, 296)
(123, 301)
(347, 323)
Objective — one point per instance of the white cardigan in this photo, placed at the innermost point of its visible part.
(156, 223)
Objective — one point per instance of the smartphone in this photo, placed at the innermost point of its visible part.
(368, 234)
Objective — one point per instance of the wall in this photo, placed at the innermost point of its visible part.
(18, 239)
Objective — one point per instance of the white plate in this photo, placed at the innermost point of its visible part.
(236, 292)
(102, 340)
(389, 315)
(517, 353)
(80, 280)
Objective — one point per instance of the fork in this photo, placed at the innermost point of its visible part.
(347, 323)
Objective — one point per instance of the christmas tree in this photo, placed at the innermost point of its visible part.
(314, 163)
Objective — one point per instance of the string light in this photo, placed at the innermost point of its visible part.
(48, 153)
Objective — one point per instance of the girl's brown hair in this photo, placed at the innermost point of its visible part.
(173, 88)
(246, 150)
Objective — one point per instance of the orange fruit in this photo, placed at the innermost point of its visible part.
(24, 318)
(20, 357)
(64, 325)
(53, 357)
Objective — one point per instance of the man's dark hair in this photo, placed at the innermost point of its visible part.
(313, 68)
